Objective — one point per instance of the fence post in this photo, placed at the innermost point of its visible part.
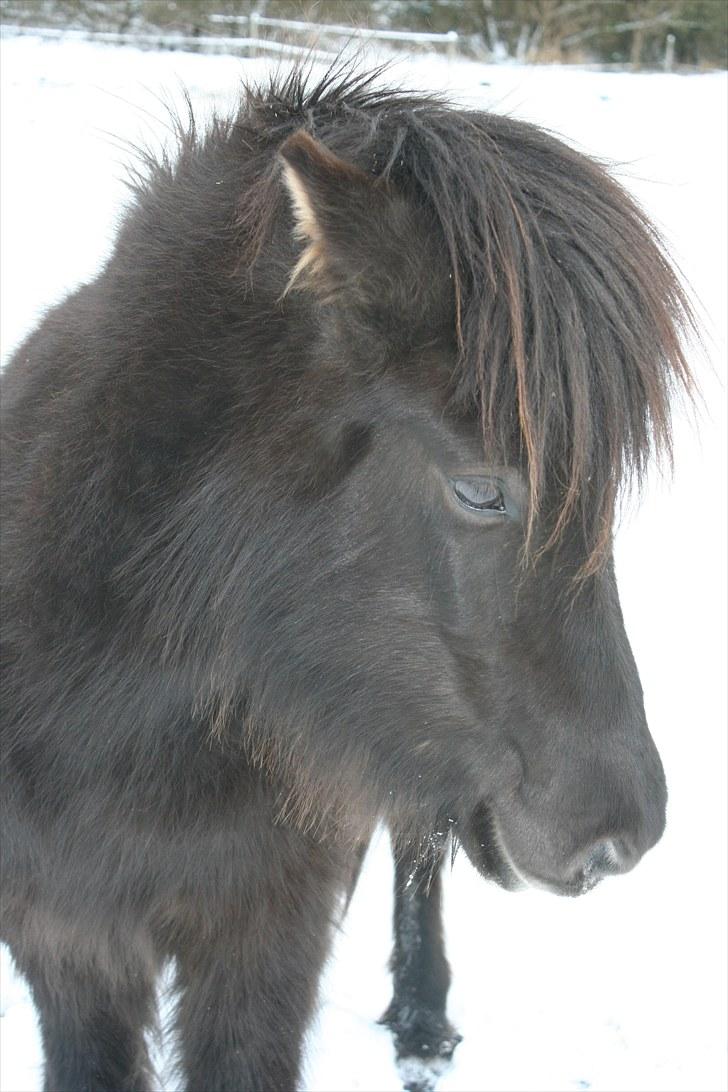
(452, 44)
(669, 61)
(254, 23)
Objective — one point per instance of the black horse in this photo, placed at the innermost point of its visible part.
(308, 510)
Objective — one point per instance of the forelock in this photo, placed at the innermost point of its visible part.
(569, 319)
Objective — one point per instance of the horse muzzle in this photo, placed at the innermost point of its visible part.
(489, 851)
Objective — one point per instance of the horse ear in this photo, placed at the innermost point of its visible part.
(333, 202)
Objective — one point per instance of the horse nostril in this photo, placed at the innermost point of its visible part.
(607, 858)
(603, 859)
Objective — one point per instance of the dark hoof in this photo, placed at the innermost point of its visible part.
(424, 1042)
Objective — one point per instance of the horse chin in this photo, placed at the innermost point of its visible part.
(484, 846)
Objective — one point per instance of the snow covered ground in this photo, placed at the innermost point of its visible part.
(624, 989)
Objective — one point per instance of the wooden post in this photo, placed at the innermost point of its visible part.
(254, 23)
(669, 61)
(452, 44)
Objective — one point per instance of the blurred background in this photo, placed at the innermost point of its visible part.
(636, 33)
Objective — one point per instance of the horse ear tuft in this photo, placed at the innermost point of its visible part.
(331, 199)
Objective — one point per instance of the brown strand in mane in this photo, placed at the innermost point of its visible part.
(569, 320)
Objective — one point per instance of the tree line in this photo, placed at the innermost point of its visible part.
(634, 33)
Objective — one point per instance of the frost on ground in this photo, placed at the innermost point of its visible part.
(625, 988)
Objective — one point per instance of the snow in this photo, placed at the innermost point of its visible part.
(625, 988)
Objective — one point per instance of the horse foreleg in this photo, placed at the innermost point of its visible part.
(424, 1039)
(249, 961)
(95, 998)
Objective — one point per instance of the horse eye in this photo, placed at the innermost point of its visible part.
(480, 494)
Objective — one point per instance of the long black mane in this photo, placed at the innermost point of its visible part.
(569, 319)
